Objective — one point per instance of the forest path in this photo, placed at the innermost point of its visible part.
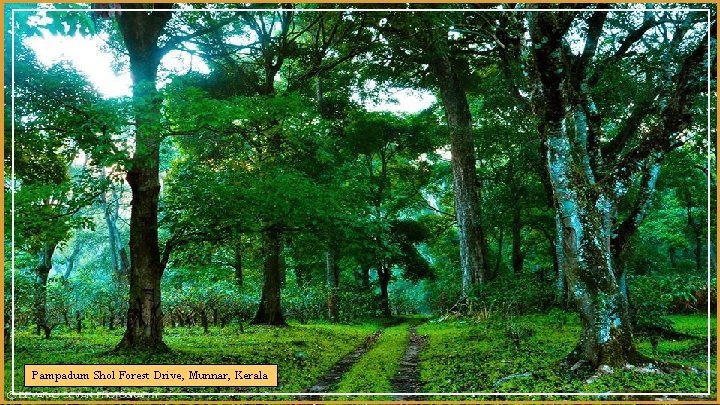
(407, 379)
(336, 372)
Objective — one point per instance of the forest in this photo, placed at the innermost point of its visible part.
(388, 201)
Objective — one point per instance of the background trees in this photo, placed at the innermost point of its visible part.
(271, 185)
(60, 136)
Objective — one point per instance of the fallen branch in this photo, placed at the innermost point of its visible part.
(510, 377)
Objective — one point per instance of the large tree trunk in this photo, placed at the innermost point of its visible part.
(141, 31)
(333, 283)
(41, 277)
(561, 288)
(473, 260)
(269, 311)
(606, 332)
(585, 209)
(556, 240)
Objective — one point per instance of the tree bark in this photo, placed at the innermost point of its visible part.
(238, 265)
(561, 288)
(498, 258)
(583, 207)
(269, 311)
(473, 260)
(141, 31)
(606, 337)
(365, 276)
(42, 272)
(70, 261)
(556, 241)
(118, 257)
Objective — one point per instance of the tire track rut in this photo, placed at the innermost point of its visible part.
(407, 379)
(333, 376)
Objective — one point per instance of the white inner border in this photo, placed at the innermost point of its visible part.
(18, 395)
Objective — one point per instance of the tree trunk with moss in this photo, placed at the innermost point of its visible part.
(607, 334)
(584, 208)
(589, 179)
(473, 248)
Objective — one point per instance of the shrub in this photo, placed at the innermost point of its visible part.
(407, 298)
(304, 303)
(656, 295)
(674, 293)
(520, 294)
(354, 306)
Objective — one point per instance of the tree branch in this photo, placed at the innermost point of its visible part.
(647, 190)
(625, 45)
(176, 40)
(595, 30)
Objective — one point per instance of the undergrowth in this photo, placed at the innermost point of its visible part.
(483, 357)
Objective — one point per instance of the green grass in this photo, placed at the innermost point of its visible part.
(375, 370)
(321, 345)
(690, 352)
(696, 325)
(459, 357)
(474, 357)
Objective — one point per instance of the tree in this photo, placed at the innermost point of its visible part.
(387, 146)
(590, 166)
(260, 179)
(118, 253)
(54, 122)
(141, 32)
(426, 39)
(284, 41)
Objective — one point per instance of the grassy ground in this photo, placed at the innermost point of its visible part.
(475, 358)
(374, 371)
(303, 353)
(461, 356)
